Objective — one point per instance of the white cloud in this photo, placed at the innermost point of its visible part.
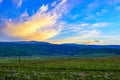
(80, 27)
(85, 34)
(89, 34)
(99, 24)
(24, 14)
(44, 8)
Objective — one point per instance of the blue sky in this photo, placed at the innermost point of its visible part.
(61, 21)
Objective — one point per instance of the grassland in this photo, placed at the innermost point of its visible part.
(61, 69)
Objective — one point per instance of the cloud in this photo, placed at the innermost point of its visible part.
(101, 39)
(17, 3)
(81, 26)
(44, 8)
(24, 14)
(77, 41)
(80, 36)
(85, 34)
(40, 26)
(99, 24)
(94, 42)
(89, 34)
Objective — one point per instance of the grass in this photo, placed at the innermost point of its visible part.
(61, 69)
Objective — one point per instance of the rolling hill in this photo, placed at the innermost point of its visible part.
(34, 48)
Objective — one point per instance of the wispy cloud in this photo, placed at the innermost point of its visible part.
(86, 34)
(93, 38)
(40, 26)
(17, 3)
(44, 8)
(25, 14)
(99, 24)
(89, 34)
(80, 27)
(83, 33)
(83, 37)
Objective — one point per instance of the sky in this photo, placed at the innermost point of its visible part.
(61, 21)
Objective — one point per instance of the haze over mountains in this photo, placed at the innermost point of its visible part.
(34, 48)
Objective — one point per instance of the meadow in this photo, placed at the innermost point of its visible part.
(60, 69)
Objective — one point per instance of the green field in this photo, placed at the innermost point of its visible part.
(61, 69)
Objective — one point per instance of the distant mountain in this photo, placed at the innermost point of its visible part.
(34, 48)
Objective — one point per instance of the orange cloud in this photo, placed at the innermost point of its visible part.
(40, 26)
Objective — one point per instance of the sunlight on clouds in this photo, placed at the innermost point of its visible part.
(43, 35)
(77, 41)
(40, 26)
(94, 42)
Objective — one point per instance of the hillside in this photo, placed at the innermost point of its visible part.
(33, 48)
